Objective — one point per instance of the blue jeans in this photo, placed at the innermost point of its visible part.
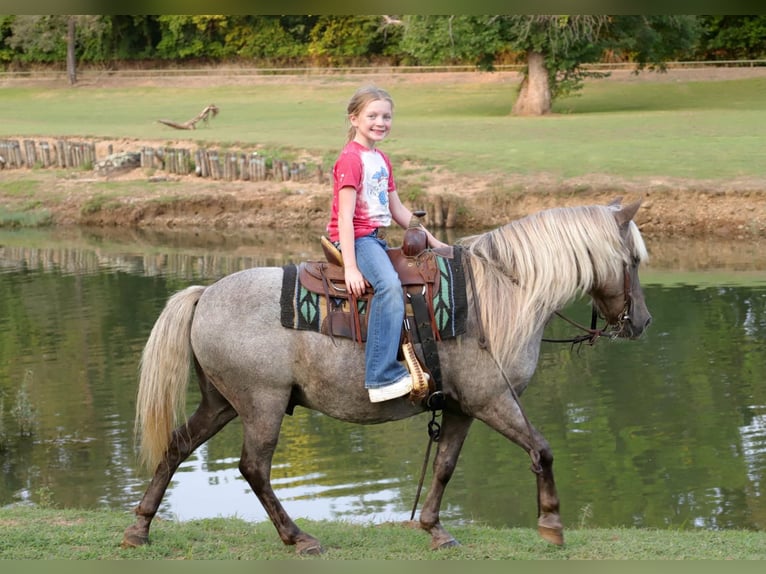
(385, 315)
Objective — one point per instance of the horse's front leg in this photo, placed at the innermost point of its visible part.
(548, 518)
(454, 429)
(505, 416)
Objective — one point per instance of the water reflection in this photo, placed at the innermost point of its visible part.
(303, 496)
(669, 430)
(76, 250)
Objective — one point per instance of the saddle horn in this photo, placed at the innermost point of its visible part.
(415, 240)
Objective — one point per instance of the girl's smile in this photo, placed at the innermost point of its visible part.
(373, 124)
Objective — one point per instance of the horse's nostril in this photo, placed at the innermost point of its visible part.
(648, 322)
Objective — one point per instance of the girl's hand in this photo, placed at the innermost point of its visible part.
(355, 282)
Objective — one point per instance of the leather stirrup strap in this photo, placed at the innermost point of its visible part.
(426, 335)
(357, 326)
(328, 301)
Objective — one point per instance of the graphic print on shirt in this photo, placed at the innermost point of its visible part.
(379, 186)
(375, 189)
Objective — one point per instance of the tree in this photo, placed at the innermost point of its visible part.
(51, 39)
(553, 47)
(193, 36)
(434, 40)
(651, 41)
(732, 37)
(71, 59)
(39, 38)
(343, 40)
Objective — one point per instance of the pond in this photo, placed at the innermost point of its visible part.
(667, 431)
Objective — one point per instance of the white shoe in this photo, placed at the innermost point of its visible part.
(395, 390)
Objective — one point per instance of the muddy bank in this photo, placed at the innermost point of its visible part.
(669, 209)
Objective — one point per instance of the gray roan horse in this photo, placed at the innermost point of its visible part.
(249, 365)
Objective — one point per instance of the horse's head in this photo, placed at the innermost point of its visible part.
(620, 299)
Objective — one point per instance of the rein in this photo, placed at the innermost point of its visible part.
(592, 334)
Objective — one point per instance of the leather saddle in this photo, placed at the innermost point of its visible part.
(346, 315)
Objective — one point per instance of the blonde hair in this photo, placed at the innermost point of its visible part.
(360, 99)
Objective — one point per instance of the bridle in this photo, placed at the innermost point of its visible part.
(592, 333)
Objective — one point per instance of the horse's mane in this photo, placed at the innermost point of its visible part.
(531, 267)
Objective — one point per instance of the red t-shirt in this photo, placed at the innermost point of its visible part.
(369, 172)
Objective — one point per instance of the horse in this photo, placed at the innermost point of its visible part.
(249, 365)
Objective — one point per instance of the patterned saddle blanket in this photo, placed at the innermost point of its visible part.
(313, 296)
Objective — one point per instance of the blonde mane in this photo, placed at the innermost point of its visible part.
(534, 266)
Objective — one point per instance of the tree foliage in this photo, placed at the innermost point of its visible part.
(481, 40)
(732, 38)
(651, 41)
(434, 40)
(566, 42)
(43, 39)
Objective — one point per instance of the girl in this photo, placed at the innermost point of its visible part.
(364, 200)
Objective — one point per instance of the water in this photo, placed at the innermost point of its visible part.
(667, 431)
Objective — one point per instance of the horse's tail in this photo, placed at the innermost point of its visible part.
(165, 366)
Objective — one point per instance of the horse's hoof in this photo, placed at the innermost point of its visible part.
(443, 543)
(309, 548)
(451, 543)
(552, 535)
(133, 539)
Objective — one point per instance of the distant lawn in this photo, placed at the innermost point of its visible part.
(701, 130)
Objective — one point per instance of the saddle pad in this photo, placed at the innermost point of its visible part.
(304, 310)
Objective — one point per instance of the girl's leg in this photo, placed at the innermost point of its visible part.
(385, 316)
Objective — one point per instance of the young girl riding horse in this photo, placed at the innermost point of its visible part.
(364, 201)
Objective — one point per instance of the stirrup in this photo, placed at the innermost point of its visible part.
(419, 377)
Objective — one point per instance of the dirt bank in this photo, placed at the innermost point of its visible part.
(675, 208)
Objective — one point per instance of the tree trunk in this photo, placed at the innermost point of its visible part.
(71, 62)
(535, 92)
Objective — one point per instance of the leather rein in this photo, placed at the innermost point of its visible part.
(592, 334)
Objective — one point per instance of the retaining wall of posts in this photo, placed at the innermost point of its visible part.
(212, 163)
(205, 163)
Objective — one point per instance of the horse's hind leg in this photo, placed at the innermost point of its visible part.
(212, 414)
(261, 432)
(454, 429)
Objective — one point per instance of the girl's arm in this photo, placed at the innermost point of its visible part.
(402, 216)
(346, 206)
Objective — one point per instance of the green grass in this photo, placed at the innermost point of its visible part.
(39, 533)
(27, 187)
(703, 130)
(33, 216)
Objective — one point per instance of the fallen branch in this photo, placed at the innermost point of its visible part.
(204, 115)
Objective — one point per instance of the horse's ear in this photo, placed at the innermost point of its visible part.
(627, 213)
(616, 202)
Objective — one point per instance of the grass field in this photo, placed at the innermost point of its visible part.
(689, 129)
(39, 533)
